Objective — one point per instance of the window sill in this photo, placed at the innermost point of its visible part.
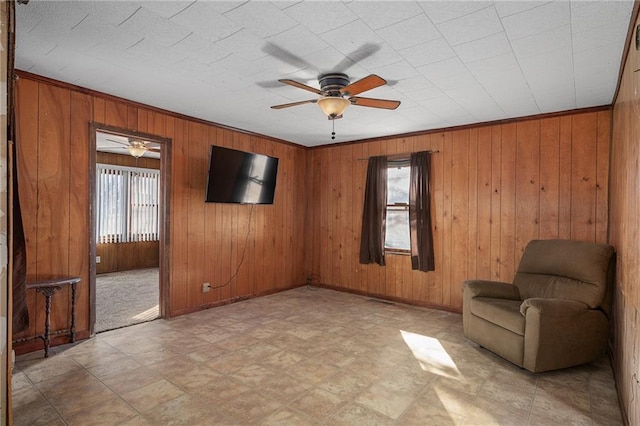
(397, 252)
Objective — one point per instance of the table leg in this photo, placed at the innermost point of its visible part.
(73, 312)
(47, 323)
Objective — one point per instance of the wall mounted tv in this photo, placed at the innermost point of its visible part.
(240, 177)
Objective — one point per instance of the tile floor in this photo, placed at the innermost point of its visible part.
(302, 357)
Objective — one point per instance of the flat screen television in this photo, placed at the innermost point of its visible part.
(240, 177)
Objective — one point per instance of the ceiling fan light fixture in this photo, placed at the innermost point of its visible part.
(137, 150)
(333, 106)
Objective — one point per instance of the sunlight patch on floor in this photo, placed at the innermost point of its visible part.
(431, 355)
(148, 315)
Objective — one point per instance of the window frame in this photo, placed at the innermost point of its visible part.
(397, 163)
(127, 204)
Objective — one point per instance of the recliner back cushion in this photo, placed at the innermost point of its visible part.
(564, 269)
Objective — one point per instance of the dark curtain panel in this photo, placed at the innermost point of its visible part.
(20, 316)
(20, 313)
(374, 212)
(422, 258)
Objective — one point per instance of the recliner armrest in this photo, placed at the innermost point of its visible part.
(553, 307)
(495, 289)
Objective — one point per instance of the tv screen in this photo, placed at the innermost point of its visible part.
(240, 177)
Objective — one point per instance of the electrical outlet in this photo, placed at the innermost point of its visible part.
(98, 260)
(206, 287)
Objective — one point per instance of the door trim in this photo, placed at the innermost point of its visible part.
(163, 215)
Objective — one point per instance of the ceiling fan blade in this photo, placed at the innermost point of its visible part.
(356, 56)
(120, 142)
(311, 101)
(153, 149)
(300, 85)
(374, 103)
(286, 56)
(370, 82)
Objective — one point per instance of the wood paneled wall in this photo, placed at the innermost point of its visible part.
(207, 242)
(116, 257)
(494, 189)
(624, 235)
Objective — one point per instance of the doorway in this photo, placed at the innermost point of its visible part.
(128, 216)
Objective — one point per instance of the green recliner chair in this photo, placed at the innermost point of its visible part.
(554, 315)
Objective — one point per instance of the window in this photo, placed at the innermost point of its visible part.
(127, 200)
(397, 237)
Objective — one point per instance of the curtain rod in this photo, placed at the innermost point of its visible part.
(400, 154)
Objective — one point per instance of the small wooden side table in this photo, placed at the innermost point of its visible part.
(47, 288)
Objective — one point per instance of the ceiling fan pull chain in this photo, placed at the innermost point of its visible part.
(333, 128)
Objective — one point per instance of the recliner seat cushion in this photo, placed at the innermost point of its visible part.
(501, 312)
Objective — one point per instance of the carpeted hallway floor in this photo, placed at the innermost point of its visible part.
(126, 298)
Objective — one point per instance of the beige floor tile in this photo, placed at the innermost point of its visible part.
(183, 410)
(104, 371)
(451, 400)
(318, 403)
(353, 414)
(25, 395)
(74, 400)
(284, 388)
(281, 359)
(131, 380)
(192, 377)
(113, 411)
(206, 352)
(518, 396)
(419, 414)
(288, 417)
(218, 391)
(347, 385)
(302, 357)
(36, 413)
(312, 370)
(56, 366)
(489, 412)
(138, 420)
(385, 399)
(248, 407)
(253, 375)
(152, 395)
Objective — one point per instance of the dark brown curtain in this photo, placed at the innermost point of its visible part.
(374, 212)
(20, 313)
(422, 258)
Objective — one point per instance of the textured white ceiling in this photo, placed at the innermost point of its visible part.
(449, 63)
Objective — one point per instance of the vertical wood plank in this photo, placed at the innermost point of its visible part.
(549, 177)
(437, 215)
(459, 214)
(447, 218)
(602, 175)
(483, 188)
(472, 268)
(53, 194)
(583, 177)
(80, 114)
(179, 217)
(527, 184)
(508, 203)
(496, 202)
(564, 183)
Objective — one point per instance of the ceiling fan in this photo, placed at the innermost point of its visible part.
(136, 147)
(337, 93)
